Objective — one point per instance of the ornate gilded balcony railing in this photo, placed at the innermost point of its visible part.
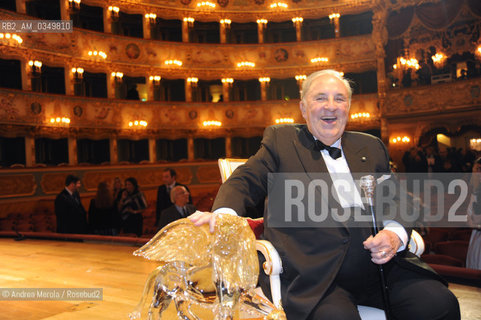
(30, 113)
(142, 57)
(433, 99)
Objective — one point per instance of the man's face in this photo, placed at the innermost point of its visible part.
(74, 186)
(167, 179)
(182, 197)
(325, 108)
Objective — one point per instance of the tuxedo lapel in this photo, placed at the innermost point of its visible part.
(314, 165)
(311, 160)
(358, 159)
(357, 156)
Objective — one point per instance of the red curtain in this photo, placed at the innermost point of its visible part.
(439, 15)
(398, 22)
(434, 16)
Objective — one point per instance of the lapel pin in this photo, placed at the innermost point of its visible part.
(363, 159)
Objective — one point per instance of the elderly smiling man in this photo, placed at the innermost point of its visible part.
(329, 270)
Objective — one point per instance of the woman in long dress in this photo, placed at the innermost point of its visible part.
(131, 206)
(473, 258)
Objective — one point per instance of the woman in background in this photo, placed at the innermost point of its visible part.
(117, 189)
(473, 258)
(131, 206)
(103, 214)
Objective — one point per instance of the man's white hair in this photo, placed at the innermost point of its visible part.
(306, 85)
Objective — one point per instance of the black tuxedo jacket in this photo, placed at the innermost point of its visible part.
(311, 257)
(171, 214)
(163, 200)
(71, 215)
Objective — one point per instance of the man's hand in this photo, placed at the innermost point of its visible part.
(383, 246)
(199, 218)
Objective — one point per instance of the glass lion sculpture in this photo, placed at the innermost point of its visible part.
(199, 269)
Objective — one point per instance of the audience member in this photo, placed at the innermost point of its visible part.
(117, 189)
(131, 206)
(71, 215)
(473, 258)
(163, 192)
(103, 215)
(132, 93)
(414, 160)
(180, 208)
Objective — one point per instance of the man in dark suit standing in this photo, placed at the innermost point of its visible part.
(329, 269)
(71, 215)
(180, 209)
(163, 192)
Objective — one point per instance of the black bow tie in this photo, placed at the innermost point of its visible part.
(333, 151)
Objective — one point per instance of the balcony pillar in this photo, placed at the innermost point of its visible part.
(114, 154)
(228, 146)
(380, 37)
(190, 148)
(185, 31)
(21, 7)
(152, 150)
(226, 91)
(26, 75)
(72, 151)
(29, 151)
(260, 31)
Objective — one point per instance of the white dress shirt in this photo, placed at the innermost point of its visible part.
(339, 171)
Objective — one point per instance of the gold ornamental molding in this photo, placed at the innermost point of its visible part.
(143, 57)
(208, 174)
(17, 185)
(239, 11)
(28, 113)
(445, 97)
(53, 183)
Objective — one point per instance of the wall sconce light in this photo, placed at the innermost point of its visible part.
(78, 73)
(65, 121)
(284, 120)
(138, 124)
(117, 76)
(439, 59)
(319, 59)
(264, 80)
(173, 62)
(405, 63)
(297, 21)
(212, 123)
(114, 11)
(246, 64)
(192, 81)
(334, 17)
(475, 144)
(398, 139)
(11, 36)
(278, 5)
(225, 22)
(360, 116)
(74, 4)
(478, 51)
(35, 65)
(227, 80)
(190, 21)
(300, 78)
(155, 79)
(95, 54)
(205, 5)
(151, 17)
(262, 22)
